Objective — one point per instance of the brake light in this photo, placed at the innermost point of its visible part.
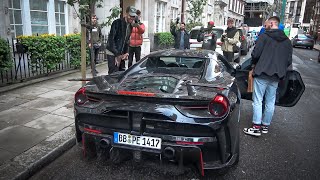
(92, 130)
(218, 107)
(136, 93)
(243, 37)
(219, 43)
(80, 97)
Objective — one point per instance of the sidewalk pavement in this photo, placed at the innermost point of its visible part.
(37, 123)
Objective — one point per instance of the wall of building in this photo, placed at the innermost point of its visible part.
(4, 21)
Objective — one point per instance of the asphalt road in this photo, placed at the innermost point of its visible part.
(289, 151)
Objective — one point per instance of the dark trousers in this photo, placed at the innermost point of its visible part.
(134, 51)
(96, 53)
(228, 55)
(112, 67)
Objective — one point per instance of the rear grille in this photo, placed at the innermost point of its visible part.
(178, 129)
(144, 122)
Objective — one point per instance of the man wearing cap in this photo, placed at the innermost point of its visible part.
(208, 33)
(118, 40)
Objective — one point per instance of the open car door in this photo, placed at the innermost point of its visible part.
(289, 91)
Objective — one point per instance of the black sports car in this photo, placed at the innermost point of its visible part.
(174, 105)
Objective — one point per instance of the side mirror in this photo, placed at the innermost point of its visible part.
(235, 65)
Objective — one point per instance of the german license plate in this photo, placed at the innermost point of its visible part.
(133, 140)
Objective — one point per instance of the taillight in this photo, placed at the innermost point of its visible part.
(218, 107)
(80, 97)
(243, 38)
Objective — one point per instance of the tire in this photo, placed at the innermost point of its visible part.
(89, 149)
(244, 52)
(237, 60)
(238, 150)
(311, 47)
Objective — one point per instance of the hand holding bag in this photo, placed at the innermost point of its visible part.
(250, 82)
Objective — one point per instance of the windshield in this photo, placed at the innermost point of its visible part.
(170, 65)
(194, 34)
(302, 36)
(218, 32)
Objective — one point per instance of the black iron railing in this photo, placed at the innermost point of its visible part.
(22, 69)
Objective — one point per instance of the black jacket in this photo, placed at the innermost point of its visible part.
(177, 37)
(272, 54)
(118, 38)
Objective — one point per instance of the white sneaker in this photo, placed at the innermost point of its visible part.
(252, 131)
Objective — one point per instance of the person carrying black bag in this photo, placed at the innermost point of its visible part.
(229, 40)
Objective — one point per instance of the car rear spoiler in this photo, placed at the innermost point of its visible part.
(100, 81)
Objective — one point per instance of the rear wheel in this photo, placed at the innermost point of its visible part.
(245, 51)
(237, 60)
(311, 47)
(89, 146)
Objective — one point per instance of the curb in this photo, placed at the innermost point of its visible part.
(45, 160)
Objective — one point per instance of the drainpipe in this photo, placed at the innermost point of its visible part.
(183, 10)
(283, 9)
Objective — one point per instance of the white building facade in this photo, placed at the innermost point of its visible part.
(28, 17)
(294, 12)
(235, 10)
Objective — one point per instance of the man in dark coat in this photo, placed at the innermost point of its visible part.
(118, 40)
(271, 58)
(181, 36)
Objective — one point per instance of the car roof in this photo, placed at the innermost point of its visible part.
(183, 53)
(215, 27)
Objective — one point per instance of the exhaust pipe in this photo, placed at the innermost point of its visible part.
(169, 153)
(105, 143)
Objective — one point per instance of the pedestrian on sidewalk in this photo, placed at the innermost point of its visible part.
(271, 58)
(229, 40)
(181, 36)
(136, 39)
(118, 40)
(94, 39)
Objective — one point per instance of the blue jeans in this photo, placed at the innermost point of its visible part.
(268, 88)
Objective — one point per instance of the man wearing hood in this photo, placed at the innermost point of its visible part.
(271, 58)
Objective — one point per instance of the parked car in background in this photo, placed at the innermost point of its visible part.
(254, 35)
(194, 44)
(250, 39)
(218, 30)
(302, 40)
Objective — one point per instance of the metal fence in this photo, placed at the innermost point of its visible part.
(22, 69)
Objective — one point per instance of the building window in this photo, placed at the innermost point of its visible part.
(160, 16)
(174, 13)
(39, 16)
(15, 18)
(60, 17)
